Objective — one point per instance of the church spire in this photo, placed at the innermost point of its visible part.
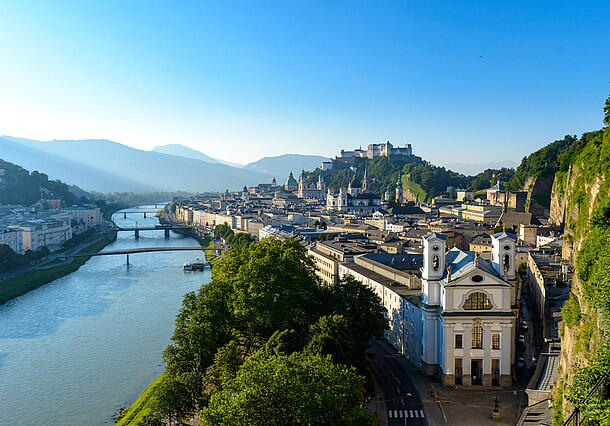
(365, 184)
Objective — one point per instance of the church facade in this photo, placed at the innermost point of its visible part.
(356, 199)
(313, 191)
(460, 323)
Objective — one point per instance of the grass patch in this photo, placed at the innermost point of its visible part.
(21, 284)
(141, 407)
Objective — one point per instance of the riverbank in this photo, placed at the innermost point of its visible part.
(31, 280)
(140, 408)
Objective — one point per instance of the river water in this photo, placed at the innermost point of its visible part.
(75, 350)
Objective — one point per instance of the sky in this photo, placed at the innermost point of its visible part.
(463, 82)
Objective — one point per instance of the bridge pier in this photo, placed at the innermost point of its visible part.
(127, 260)
(144, 215)
(167, 234)
(124, 215)
(137, 234)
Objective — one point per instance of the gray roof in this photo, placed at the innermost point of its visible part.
(502, 235)
(462, 262)
(434, 235)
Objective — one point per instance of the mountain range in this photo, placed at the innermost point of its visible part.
(106, 166)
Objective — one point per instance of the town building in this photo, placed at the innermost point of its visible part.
(327, 256)
(13, 238)
(40, 233)
(356, 199)
(458, 321)
(315, 191)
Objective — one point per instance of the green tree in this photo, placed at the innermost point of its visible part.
(171, 399)
(607, 112)
(298, 389)
(226, 363)
(203, 324)
(332, 335)
(362, 310)
(273, 287)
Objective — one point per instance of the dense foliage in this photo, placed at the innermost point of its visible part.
(10, 261)
(264, 315)
(225, 232)
(295, 389)
(18, 186)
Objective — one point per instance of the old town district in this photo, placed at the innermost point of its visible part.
(451, 274)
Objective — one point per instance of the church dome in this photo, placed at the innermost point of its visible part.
(291, 181)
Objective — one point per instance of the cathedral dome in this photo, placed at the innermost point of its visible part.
(291, 181)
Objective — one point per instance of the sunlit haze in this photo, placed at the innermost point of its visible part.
(468, 82)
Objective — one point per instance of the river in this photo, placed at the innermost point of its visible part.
(75, 350)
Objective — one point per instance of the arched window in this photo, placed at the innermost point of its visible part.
(477, 301)
(477, 337)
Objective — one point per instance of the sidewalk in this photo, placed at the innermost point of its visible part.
(468, 406)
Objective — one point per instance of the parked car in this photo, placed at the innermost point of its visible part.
(523, 325)
(522, 339)
(520, 362)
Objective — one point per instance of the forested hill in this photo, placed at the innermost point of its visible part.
(420, 178)
(18, 186)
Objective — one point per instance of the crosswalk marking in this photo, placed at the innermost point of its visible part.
(405, 413)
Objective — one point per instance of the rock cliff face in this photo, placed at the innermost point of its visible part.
(538, 194)
(576, 195)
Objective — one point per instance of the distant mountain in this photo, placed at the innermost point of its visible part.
(102, 165)
(22, 152)
(185, 151)
(282, 165)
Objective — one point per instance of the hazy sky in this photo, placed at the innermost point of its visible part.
(461, 81)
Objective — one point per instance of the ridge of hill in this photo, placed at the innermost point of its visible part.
(19, 186)
(108, 166)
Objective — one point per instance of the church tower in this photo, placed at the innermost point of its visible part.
(503, 254)
(321, 186)
(399, 191)
(365, 184)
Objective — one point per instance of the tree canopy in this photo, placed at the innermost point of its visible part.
(265, 297)
(296, 389)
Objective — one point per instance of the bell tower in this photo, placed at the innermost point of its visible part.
(433, 268)
(434, 256)
(503, 254)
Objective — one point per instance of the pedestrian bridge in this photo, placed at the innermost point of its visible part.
(215, 250)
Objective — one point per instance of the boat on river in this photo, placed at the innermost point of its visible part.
(195, 265)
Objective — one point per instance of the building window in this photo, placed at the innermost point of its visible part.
(477, 301)
(477, 337)
(495, 341)
(458, 341)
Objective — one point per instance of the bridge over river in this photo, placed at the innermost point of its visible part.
(166, 228)
(127, 252)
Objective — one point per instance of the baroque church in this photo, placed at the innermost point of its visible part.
(356, 199)
(313, 191)
(468, 313)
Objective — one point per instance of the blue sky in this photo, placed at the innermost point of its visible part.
(469, 82)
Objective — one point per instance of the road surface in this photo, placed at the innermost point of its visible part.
(401, 405)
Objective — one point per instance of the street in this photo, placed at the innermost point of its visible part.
(398, 403)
